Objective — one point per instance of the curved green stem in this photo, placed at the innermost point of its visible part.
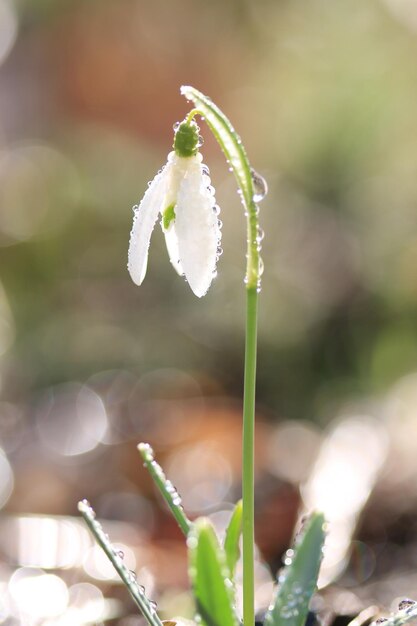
(235, 153)
(232, 147)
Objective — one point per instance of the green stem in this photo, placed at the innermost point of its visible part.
(232, 147)
(248, 524)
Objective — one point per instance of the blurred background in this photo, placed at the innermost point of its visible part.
(324, 95)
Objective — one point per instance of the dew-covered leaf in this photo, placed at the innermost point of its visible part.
(146, 606)
(232, 538)
(297, 581)
(213, 589)
(167, 489)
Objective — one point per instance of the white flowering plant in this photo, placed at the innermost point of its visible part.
(182, 197)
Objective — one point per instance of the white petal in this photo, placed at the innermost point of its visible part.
(197, 228)
(144, 221)
(171, 241)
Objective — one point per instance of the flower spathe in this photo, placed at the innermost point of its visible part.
(182, 195)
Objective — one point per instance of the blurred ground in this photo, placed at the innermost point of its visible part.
(324, 96)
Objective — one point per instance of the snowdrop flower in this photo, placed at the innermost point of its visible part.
(182, 195)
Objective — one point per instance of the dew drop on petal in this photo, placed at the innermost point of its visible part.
(260, 186)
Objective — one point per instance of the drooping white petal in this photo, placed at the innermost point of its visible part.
(197, 228)
(171, 241)
(145, 216)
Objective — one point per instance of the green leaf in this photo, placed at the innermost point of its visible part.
(298, 580)
(231, 540)
(167, 489)
(213, 590)
(146, 606)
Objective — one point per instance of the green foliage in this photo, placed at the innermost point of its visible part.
(146, 606)
(231, 540)
(213, 589)
(298, 581)
(167, 489)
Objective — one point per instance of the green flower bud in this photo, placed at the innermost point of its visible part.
(186, 139)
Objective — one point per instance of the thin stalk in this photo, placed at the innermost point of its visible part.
(246, 178)
(248, 478)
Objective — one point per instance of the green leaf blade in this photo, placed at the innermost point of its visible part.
(213, 590)
(167, 489)
(231, 540)
(146, 606)
(298, 581)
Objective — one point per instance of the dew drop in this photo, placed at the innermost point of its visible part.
(176, 126)
(260, 186)
(192, 542)
(200, 141)
(133, 575)
(145, 448)
(121, 554)
(205, 170)
(169, 486)
(141, 589)
(152, 606)
(406, 603)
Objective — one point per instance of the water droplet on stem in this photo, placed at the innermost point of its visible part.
(260, 187)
